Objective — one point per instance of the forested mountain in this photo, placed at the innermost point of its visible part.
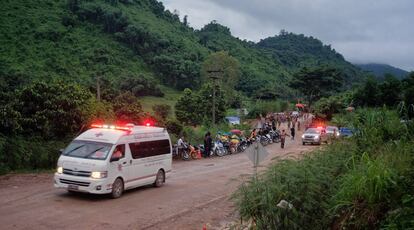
(259, 70)
(298, 51)
(138, 40)
(379, 70)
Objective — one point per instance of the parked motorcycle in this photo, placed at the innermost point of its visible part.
(180, 152)
(219, 149)
(264, 140)
(275, 135)
(242, 145)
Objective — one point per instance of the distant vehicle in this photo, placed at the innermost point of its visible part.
(111, 159)
(314, 136)
(233, 120)
(295, 113)
(332, 131)
(345, 132)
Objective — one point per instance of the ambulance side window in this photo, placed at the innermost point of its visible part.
(149, 148)
(136, 149)
(120, 148)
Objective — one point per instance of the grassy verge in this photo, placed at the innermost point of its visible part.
(170, 98)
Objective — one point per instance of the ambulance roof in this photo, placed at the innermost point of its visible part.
(113, 135)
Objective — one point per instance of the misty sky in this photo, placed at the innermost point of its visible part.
(364, 31)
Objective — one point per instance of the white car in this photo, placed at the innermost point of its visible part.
(111, 159)
(332, 131)
(314, 136)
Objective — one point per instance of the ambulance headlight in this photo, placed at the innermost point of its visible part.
(99, 175)
(59, 170)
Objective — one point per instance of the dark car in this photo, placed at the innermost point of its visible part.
(345, 132)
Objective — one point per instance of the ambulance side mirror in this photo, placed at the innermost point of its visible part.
(114, 158)
(61, 151)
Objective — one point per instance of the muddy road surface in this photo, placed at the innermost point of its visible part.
(197, 192)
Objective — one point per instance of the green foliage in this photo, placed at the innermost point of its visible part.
(53, 109)
(317, 82)
(390, 91)
(306, 184)
(161, 111)
(206, 102)
(127, 108)
(408, 86)
(372, 93)
(296, 51)
(258, 108)
(44, 40)
(28, 153)
(195, 107)
(257, 67)
(364, 182)
(82, 40)
(174, 127)
(140, 86)
(187, 108)
(221, 61)
(328, 106)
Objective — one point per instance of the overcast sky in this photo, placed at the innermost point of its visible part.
(364, 31)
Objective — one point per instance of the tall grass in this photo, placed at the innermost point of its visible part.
(360, 183)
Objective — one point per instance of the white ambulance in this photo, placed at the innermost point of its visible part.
(111, 159)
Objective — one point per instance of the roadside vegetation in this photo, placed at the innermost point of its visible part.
(365, 182)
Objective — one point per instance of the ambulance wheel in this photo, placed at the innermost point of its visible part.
(160, 179)
(117, 188)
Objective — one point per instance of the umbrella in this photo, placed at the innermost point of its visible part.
(236, 131)
(299, 105)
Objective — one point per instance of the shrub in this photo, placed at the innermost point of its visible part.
(174, 127)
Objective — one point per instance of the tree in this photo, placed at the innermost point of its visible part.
(229, 74)
(369, 93)
(140, 86)
(187, 108)
(222, 61)
(52, 109)
(390, 91)
(127, 108)
(206, 103)
(408, 85)
(162, 111)
(318, 82)
(331, 105)
(174, 127)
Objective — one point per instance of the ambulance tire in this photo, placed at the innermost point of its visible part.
(160, 179)
(117, 188)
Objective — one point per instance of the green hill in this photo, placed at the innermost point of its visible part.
(379, 70)
(43, 40)
(296, 51)
(79, 40)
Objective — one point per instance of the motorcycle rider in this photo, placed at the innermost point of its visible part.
(253, 135)
(181, 145)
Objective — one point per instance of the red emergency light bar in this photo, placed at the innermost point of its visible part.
(115, 127)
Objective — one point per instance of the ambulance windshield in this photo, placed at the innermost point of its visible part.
(88, 150)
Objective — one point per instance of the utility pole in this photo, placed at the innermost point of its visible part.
(214, 75)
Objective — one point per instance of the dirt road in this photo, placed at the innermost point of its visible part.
(196, 193)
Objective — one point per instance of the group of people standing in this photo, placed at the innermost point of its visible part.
(275, 120)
